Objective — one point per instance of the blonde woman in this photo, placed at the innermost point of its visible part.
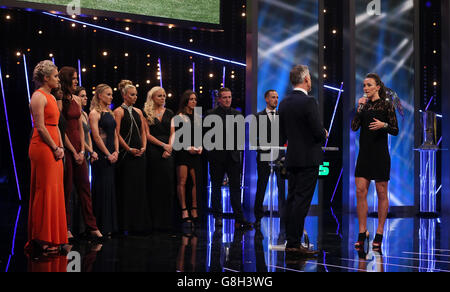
(131, 167)
(47, 227)
(161, 182)
(106, 144)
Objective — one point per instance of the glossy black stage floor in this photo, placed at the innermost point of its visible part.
(411, 245)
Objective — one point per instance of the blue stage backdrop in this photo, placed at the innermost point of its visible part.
(385, 45)
(288, 34)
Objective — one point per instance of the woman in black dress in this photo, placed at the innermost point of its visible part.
(376, 118)
(106, 144)
(160, 163)
(187, 160)
(131, 177)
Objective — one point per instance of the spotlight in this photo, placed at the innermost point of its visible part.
(73, 25)
(126, 54)
(83, 70)
(8, 17)
(50, 55)
(40, 32)
(18, 54)
(127, 28)
(94, 66)
(115, 67)
(211, 75)
(6, 76)
(105, 53)
(148, 81)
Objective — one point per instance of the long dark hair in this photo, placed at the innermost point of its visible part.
(382, 91)
(184, 100)
(65, 78)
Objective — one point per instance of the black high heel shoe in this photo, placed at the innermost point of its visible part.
(362, 237)
(196, 220)
(376, 245)
(187, 220)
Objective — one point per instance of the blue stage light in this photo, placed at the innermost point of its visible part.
(9, 133)
(147, 40)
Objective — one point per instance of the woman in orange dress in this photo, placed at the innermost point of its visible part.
(47, 225)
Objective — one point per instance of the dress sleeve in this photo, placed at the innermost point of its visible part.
(392, 121)
(356, 123)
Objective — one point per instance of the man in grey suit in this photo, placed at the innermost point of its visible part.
(301, 127)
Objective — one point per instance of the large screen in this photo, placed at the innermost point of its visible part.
(203, 11)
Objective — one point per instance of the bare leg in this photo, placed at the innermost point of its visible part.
(194, 193)
(383, 205)
(182, 172)
(362, 188)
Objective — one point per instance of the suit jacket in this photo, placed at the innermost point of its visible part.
(269, 135)
(222, 155)
(301, 128)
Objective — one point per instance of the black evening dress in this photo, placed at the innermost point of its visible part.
(132, 204)
(374, 161)
(103, 178)
(183, 157)
(161, 176)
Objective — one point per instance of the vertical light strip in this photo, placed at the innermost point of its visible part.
(9, 133)
(428, 105)
(334, 113)
(193, 76)
(160, 73)
(53, 60)
(14, 238)
(223, 76)
(337, 184)
(79, 73)
(28, 86)
(15, 230)
(26, 78)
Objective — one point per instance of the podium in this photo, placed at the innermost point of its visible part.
(428, 182)
(273, 246)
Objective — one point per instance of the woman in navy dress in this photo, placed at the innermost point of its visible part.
(106, 144)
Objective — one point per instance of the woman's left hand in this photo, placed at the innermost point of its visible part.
(377, 125)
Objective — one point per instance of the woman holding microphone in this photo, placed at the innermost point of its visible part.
(377, 119)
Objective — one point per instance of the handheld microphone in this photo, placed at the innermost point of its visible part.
(361, 106)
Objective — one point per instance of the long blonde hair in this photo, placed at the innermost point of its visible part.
(149, 104)
(95, 103)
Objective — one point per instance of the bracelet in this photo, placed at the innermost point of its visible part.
(386, 125)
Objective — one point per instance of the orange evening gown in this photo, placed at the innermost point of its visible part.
(47, 214)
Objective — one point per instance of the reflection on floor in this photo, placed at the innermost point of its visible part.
(410, 245)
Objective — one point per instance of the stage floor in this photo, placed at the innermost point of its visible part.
(410, 245)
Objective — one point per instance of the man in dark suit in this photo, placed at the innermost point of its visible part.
(263, 167)
(226, 161)
(301, 127)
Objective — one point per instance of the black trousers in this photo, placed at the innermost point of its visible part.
(263, 178)
(217, 172)
(301, 186)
